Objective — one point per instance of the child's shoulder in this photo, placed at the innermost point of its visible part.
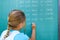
(21, 36)
(4, 32)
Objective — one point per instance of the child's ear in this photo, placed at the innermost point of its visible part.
(24, 24)
(20, 25)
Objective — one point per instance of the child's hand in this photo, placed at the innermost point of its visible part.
(33, 25)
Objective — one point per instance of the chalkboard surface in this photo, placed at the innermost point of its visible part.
(43, 12)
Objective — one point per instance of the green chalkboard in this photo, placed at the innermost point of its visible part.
(43, 12)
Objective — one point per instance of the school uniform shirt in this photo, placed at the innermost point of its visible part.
(14, 35)
(0, 38)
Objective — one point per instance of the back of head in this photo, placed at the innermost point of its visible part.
(15, 18)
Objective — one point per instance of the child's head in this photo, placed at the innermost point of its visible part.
(16, 19)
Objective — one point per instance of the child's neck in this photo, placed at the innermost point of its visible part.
(15, 29)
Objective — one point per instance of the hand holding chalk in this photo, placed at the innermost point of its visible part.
(33, 25)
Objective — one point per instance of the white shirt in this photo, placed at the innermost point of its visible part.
(11, 35)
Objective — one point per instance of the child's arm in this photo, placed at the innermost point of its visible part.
(33, 32)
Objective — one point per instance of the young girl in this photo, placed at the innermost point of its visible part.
(16, 21)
